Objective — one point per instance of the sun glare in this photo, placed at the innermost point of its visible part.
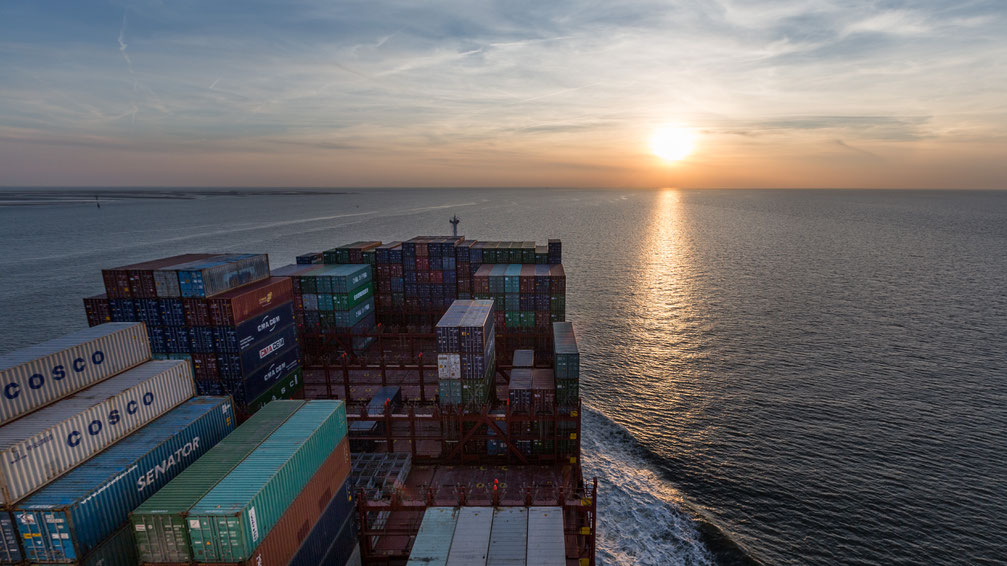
(672, 143)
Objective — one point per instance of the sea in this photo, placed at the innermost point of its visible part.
(793, 377)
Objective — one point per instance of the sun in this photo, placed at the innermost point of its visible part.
(672, 143)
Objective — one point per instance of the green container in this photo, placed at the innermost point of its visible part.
(346, 301)
(512, 319)
(527, 319)
(567, 392)
(557, 303)
(116, 550)
(308, 285)
(237, 514)
(158, 524)
(281, 390)
(475, 393)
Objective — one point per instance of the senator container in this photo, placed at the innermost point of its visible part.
(159, 525)
(233, 518)
(328, 484)
(509, 538)
(433, 541)
(39, 447)
(35, 376)
(238, 305)
(471, 540)
(546, 546)
(72, 515)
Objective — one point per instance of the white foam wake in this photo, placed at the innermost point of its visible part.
(640, 521)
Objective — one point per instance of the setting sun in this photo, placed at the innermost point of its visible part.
(672, 143)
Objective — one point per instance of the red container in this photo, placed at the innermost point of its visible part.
(462, 269)
(500, 319)
(543, 394)
(422, 263)
(542, 319)
(204, 366)
(437, 277)
(526, 281)
(197, 312)
(236, 306)
(97, 310)
(395, 270)
(465, 285)
(385, 300)
(384, 286)
(383, 271)
(557, 276)
(286, 536)
(421, 249)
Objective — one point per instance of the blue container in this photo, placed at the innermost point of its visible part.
(122, 310)
(72, 515)
(335, 534)
(172, 312)
(235, 339)
(263, 352)
(10, 548)
(260, 380)
(201, 339)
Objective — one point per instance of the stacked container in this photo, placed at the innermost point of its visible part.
(389, 279)
(43, 436)
(428, 264)
(357, 252)
(527, 297)
(234, 521)
(222, 312)
(332, 299)
(566, 357)
(466, 358)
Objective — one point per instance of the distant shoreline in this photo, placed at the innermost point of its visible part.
(42, 197)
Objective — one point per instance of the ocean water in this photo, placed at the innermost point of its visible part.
(778, 377)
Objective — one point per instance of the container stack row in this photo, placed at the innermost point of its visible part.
(511, 536)
(527, 297)
(91, 427)
(466, 354)
(222, 312)
(275, 492)
(331, 299)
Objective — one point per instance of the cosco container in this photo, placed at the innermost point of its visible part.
(233, 518)
(159, 525)
(509, 538)
(37, 375)
(328, 485)
(433, 541)
(236, 306)
(471, 541)
(72, 515)
(546, 546)
(39, 447)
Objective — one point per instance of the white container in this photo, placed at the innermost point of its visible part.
(36, 376)
(509, 538)
(449, 366)
(471, 541)
(433, 541)
(546, 545)
(38, 448)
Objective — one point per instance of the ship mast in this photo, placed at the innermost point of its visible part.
(454, 224)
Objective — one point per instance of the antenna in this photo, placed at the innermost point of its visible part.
(454, 224)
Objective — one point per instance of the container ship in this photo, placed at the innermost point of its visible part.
(402, 403)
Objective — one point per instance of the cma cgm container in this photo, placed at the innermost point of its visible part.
(282, 542)
(72, 515)
(159, 524)
(37, 375)
(433, 541)
(233, 518)
(39, 447)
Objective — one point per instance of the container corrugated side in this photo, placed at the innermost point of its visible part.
(280, 545)
(286, 388)
(341, 549)
(471, 541)
(236, 306)
(433, 540)
(39, 447)
(36, 376)
(72, 515)
(546, 545)
(328, 532)
(10, 545)
(158, 524)
(509, 538)
(233, 518)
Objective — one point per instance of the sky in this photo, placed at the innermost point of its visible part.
(790, 93)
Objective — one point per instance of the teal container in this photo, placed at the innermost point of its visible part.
(117, 550)
(237, 514)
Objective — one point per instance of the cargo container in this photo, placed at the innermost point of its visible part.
(523, 359)
(97, 310)
(340, 551)
(39, 447)
(229, 522)
(288, 387)
(509, 537)
(354, 559)
(116, 550)
(65, 520)
(137, 280)
(331, 534)
(158, 524)
(10, 545)
(37, 375)
(546, 546)
(250, 384)
(220, 274)
(471, 540)
(327, 485)
(236, 306)
(433, 541)
(543, 387)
